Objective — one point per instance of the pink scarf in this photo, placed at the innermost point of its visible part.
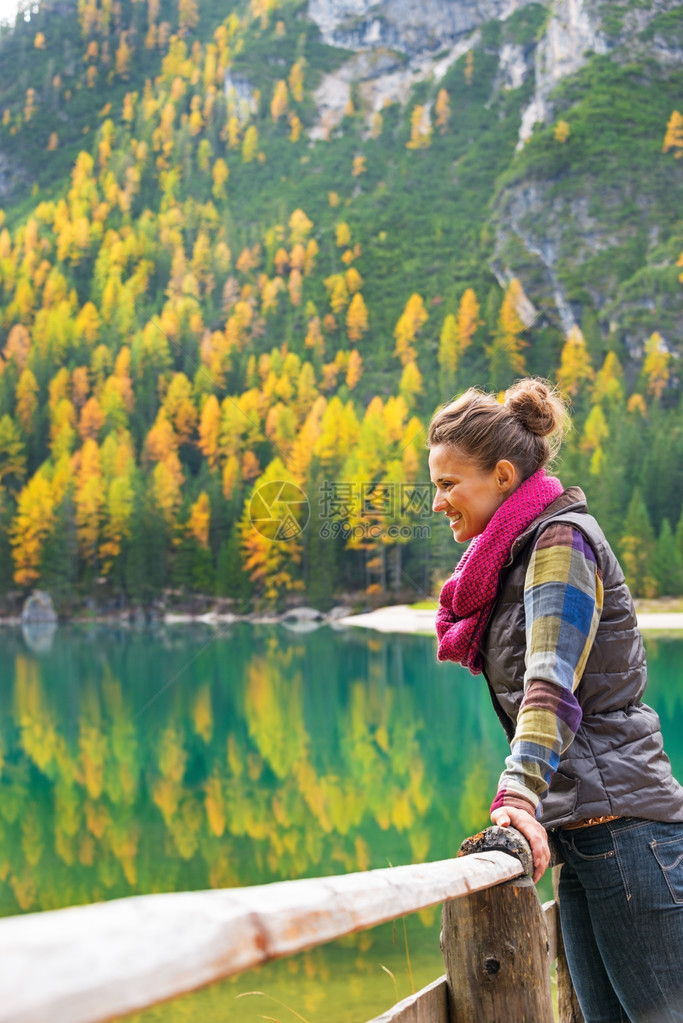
(467, 597)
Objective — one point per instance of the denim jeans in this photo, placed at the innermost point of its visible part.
(621, 908)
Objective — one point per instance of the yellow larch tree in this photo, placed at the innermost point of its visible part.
(301, 452)
(561, 131)
(30, 527)
(314, 336)
(673, 138)
(339, 429)
(179, 407)
(657, 364)
(297, 257)
(167, 481)
(410, 385)
(356, 318)
(234, 132)
(12, 454)
(442, 109)
(300, 227)
(270, 530)
(342, 235)
(411, 321)
(448, 350)
(188, 15)
(294, 287)
(575, 368)
(118, 467)
(339, 293)
(595, 430)
(26, 399)
(358, 166)
(456, 337)
(280, 101)
(122, 57)
(354, 369)
(230, 476)
(505, 351)
(91, 419)
(354, 281)
(62, 428)
(88, 323)
(296, 81)
(89, 500)
(469, 67)
(420, 129)
(608, 387)
(18, 346)
(209, 430)
(199, 521)
(250, 144)
(636, 404)
(167, 476)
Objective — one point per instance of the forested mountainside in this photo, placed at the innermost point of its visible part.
(246, 248)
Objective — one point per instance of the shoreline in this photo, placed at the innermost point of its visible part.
(398, 618)
(403, 618)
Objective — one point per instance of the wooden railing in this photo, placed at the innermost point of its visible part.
(91, 963)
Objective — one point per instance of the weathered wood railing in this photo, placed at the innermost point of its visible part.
(91, 963)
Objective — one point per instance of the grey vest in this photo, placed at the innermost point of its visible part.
(616, 764)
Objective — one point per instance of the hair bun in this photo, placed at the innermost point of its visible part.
(536, 405)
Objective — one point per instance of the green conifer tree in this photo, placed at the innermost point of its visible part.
(637, 549)
(667, 563)
(231, 581)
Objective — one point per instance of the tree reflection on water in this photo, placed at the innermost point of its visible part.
(139, 762)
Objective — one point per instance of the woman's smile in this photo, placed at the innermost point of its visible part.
(468, 495)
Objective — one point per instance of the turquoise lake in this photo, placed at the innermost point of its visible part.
(193, 758)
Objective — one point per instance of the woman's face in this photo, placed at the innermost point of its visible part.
(468, 496)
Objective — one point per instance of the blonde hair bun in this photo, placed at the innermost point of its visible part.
(527, 428)
(537, 406)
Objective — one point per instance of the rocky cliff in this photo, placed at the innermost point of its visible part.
(403, 25)
(571, 220)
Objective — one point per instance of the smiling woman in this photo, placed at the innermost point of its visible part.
(538, 604)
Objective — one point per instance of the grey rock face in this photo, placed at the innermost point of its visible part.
(572, 34)
(413, 28)
(543, 231)
(10, 175)
(240, 95)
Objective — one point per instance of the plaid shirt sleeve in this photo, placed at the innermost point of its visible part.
(563, 598)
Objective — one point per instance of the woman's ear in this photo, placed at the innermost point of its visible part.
(506, 475)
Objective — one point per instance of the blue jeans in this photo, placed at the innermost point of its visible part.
(621, 908)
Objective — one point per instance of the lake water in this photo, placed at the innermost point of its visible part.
(191, 758)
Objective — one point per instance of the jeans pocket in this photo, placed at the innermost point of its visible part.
(669, 856)
(603, 854)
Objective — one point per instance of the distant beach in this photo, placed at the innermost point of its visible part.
(403, 618)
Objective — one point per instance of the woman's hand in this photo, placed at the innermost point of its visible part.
(534, 833)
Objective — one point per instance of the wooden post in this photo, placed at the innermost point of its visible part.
(495, 947)
(567, 1003)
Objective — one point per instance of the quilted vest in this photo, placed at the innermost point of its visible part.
(616, 763)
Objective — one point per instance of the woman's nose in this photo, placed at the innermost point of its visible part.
(439, 502)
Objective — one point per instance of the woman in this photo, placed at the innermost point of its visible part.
(539, 605)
